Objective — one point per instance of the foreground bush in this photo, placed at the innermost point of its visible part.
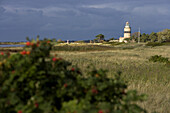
(158, 58)
(153, 44)
(33, 81)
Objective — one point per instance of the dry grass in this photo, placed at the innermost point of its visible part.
(150, 78)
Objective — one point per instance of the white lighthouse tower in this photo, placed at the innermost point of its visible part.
(127, 32)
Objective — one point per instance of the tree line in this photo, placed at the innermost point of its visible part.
(162, 36)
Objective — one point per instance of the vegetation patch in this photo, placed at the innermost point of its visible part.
(33, 81)
(11, 49)
(166, 43)
(153, 44)
(82, 48)
(12, 43)
(150, 78)
(158, 58)
(114, 43)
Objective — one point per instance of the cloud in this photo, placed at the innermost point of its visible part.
(152, 10)
(2, 10)
(133, 7)
(46, 11)
(115, 6)
(75, 19)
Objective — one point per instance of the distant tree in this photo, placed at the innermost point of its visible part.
(112, 38)
(134, 37)
(144, 37)
(27, 38)
(60, 41)
(54, 40)
(38, 37)
(147, 35)
(95, 40)
(99, 37)
(153, 37)
(164, 35)
(135, 34)
(161, 37)
(45, 39)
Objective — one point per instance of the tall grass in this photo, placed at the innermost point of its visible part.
(82, 48)
(142, 75)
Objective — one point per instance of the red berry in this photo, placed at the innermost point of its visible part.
(72, 69)
(32, 44)
(36, 105)
(28, 52)
(23, 52)
(48, 42)
(2, 53)
(65, 85)
(28, 43)
(20, 111)
(100, 111)
(37, 45)
(97, 75)
(38, 42)
(123, 92)
(94, 91)
(13, 71)
(54, 59)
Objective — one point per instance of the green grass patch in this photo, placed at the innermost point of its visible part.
(114, 43)
(158, 58)
(151, 78)
(82, 48)
(153, 44)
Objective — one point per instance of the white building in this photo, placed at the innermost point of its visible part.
(127, 33)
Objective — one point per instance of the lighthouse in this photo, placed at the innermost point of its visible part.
(127, 30)
(127, 33)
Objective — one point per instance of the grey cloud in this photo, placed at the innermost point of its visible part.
(2, 10)
(152, 10)
(80, 19)
(46, 11)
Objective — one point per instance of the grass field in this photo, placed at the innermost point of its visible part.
(146, 77)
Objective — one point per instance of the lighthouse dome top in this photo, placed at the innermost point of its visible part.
(127, 24)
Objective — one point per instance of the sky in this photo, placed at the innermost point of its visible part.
(80, 19)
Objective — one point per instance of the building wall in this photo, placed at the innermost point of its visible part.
(121, 39)
(127, 32)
